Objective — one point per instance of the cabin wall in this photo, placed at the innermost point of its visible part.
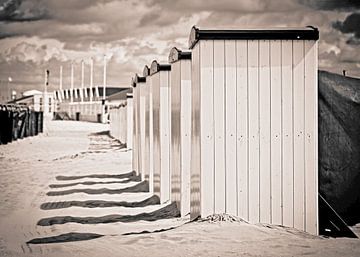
(181, 134)
(161, 134)
(254, 131)
(135, 147)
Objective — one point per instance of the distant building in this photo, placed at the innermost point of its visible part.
(118, 98)
(34, 100)
(84, 104)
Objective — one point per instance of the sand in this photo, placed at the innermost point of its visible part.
(69, 192)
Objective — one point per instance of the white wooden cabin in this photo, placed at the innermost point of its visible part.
(160, 83)
(180, 150)
(254, 125)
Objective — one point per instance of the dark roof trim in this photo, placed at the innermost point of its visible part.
(308, 33)
(176, 55)
(20, 99)
(146, 71)
(155, 67)
(133, 84)
(139, 79)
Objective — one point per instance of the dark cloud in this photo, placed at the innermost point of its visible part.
(7, 34)
(134, 32)
(341, 5)
(350, 25)
(23, 11)
(225, 6)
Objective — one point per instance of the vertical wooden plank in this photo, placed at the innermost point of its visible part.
(138, 130)
(276, 119)
(219, 124)
(265, 130)
(185, 128)
(169, 132)
(129, 107)
(254, 143)
(311, 115)
(207, 127)
(151, 137)
(175, 133)
(316, 137)
(195, 161)
(164, 137)
(230, 127)
(147, 131)
(142, 130)
(299, 122)
(242, 127)
(134, 151)
(287, 133)
(155, 81)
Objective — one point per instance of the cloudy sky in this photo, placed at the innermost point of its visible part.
(44, 34)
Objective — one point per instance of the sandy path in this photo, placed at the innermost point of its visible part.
(29, 167)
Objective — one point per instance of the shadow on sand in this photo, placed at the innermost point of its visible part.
(141, 187)
(167, 212)
(69, 237)
(129, 175)
(89, 183)
(100, 204)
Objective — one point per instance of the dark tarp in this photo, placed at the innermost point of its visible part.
(339, 144)
(18, 122)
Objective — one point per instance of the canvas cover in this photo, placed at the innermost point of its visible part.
(339, 144)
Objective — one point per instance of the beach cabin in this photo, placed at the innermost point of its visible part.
(121, 116)
(254, 131)
(149, 135)
(138, 82)
(129, 120)
(180, 148)
(134, 129)
(146, 135)
(160, 83)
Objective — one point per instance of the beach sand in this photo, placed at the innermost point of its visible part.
(74, 183)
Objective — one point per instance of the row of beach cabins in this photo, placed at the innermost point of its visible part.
(230, 126)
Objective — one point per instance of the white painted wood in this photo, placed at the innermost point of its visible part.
(230, 127)
(138, 129)
(265, 130)
(155, 82)
(147, 131)
(316, 138)
(219, 125)
(287, 134)
(299, 123)
(195, 161)
(142, 131)
(164, 137)
(169, 132)
(311, 114)
(242, 128)
(254, 143)
(181, 134)
(270, 100)
(207, 152)
(185, 129)
(129, 118)
(276, 139)
(151, 137)
(135, 147)
(176, 133)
